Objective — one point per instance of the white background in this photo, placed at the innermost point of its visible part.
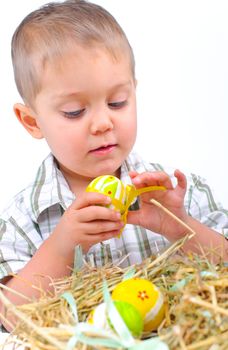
(181, 50)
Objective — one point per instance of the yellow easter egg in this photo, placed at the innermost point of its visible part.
(112, 187)
(145, 297)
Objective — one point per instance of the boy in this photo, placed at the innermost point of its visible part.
(74, 69)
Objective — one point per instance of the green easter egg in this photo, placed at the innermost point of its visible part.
(131, 316)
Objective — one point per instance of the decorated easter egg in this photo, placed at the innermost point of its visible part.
(145, 297)
(130, 315)
(112, 187)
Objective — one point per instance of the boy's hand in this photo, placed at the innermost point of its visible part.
(86, 222)
(152, 217)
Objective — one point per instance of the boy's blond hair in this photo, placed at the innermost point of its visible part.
(54, 28)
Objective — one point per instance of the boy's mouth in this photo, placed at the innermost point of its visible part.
(103, 149)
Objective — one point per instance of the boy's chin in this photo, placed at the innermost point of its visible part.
(107, 171)
(114, 172)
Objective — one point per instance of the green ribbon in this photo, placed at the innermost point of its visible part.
(129, 274)
(182, 283)
(71, 301)
(116, 320)
(78, 258)
(208, 274)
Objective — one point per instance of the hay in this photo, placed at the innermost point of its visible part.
(195, 291)
(196, 294)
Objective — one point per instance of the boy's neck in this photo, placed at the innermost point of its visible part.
(78, 183)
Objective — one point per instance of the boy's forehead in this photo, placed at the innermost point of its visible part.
(83, 58)
(74, 68)
(77, 51)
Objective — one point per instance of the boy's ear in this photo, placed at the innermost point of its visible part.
(27, 118)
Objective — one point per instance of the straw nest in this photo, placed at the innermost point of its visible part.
(196, 294)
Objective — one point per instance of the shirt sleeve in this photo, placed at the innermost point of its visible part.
(16, 246)
(201, 203)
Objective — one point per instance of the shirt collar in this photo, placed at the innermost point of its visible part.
(133, 163)
(49, 188)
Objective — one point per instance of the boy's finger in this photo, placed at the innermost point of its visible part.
(92, 213)
(100, 227)
(181, 180)
(156, 178)
(132, 174)
(104, 236)
(90, 198)
(108, 235)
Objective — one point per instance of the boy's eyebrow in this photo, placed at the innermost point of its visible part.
(63, 95)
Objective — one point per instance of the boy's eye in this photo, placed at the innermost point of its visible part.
(116, 105)
(74, 114)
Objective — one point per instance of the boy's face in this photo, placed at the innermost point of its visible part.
(86, 111)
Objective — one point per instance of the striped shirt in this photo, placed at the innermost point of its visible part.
(33, 214)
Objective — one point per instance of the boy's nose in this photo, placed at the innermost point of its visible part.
(101, 123)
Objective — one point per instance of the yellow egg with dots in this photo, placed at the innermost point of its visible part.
(112, 187)
(122, 196)
(145, 297)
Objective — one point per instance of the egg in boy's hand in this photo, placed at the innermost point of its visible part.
(121, 195)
